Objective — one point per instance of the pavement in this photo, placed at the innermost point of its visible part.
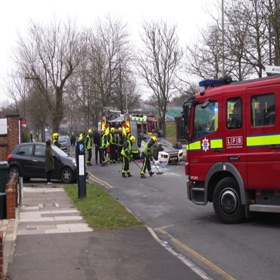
(49, 239)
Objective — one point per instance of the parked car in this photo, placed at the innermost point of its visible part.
(27, 160)
(63, 143)
(165, 151)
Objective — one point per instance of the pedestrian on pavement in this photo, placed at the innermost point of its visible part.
(49, 161)
(148, 154)
(97, 143)
(126, 154)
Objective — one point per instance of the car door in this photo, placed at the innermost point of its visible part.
(38, 162)
(24, 159)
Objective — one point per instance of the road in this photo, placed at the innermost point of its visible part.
(243, 251)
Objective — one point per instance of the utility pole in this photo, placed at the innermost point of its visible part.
(223, 39)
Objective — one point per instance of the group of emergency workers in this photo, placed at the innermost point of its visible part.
(116, 146)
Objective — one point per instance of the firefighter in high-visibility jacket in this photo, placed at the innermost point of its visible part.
(88, 144)
(126, 155)
(55, 139)
(103, 148)
(148, 154)
(120, 139)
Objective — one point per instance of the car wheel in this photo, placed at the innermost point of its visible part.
(14, 171)
(227, 202)
(67, 175)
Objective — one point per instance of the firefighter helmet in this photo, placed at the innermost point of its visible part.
(132, 139)
(154, 138)
(55, 135)
(112, 129)
(89, 131)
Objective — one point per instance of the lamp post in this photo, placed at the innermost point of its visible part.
(223, 39)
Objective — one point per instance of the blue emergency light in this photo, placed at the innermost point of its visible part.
(214, 83)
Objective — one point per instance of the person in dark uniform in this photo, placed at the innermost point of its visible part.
(97, 143)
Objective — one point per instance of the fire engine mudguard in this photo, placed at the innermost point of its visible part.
(226, 188)
(219, 171)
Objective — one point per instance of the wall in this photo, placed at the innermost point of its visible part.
(9, 140)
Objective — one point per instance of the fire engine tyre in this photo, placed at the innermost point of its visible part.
(227, 203)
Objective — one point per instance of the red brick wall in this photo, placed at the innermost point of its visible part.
(11, 197)
(8, 142)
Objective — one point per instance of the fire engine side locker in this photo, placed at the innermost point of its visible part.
(263, 149)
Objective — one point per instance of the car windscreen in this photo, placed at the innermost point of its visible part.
(59, 151)
(62, 139)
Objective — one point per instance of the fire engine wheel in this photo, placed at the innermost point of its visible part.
(227, 203)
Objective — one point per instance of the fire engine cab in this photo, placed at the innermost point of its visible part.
(233, 146)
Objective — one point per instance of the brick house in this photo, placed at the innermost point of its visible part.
(10, 131)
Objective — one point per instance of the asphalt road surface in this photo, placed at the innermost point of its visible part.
(243, 251)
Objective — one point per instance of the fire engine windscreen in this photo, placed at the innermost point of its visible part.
(205, 119)
(186, 116)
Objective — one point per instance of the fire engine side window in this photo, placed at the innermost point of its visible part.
(234, 113)
(263, 110)
(205, 119)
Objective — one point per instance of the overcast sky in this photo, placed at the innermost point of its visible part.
(189, 15)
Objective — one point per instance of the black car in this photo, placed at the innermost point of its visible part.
(27, 160)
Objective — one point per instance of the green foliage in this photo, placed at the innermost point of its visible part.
(25, 136)
(171, 132)
(100, 210)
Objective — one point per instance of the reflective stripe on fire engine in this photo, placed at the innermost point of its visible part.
(253, 141)
(140, 119)
(214, 144)
(193, 146)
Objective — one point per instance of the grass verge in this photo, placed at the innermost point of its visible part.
(101, 210)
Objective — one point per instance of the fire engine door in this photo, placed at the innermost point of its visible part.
(206, 146)
(263, 137)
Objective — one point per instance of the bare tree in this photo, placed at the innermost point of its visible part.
(272, 18)
(37, 115)
(243, 44)
(47, 58)
(204, 59)
(158, 63)
(108, 48)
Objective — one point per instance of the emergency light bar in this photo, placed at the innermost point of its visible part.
(214, 83)
(211, 83)
(272, 70)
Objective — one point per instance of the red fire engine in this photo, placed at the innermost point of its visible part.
(233, 146)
